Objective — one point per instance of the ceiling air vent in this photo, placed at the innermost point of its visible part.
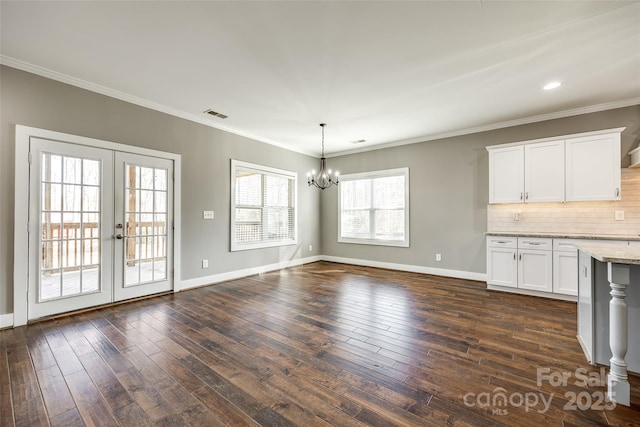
(216, 114)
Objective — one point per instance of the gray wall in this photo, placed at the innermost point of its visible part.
(35, 101)
(449, 178)
(449, 189)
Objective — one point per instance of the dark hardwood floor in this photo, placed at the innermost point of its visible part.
(317, 345)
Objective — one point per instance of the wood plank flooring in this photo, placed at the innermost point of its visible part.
(317, 345)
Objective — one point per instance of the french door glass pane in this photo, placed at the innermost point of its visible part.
(145, 224)
(70, 226)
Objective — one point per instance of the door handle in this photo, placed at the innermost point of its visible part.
(119, 236)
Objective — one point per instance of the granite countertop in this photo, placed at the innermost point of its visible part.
(611, 253)
(559, 235)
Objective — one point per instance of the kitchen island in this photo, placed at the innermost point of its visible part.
(608, 302)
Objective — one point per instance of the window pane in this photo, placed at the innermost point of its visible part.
(91, 199)
(356, 194)
(248, 215)
(160, 201)
(388, 192)
(276, 223)
(51, 197)
(90, 172)
(356, 223)
(277, 191)
(161, 179)
(146, 178)
(51, 168)
(146, 201)
(72, 197)
(248, 189)
(72, 170)
(389, 224)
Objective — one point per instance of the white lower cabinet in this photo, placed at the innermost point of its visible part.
(503, 268)
(520, 262)
(565, 272)
(542, 265)
(535, 270)
(565, 266)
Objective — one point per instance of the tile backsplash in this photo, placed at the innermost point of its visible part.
(573, 217)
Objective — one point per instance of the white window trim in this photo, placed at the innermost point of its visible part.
(377, 174)
(269, 170)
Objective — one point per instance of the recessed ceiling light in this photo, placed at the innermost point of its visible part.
(552, 85)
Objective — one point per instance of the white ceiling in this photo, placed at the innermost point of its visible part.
(390, 72)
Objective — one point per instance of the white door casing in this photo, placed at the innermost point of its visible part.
(25, 224)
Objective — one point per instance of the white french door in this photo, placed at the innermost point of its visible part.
(143, 197)
(100, 226)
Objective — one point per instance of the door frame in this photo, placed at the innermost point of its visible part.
(21, 207)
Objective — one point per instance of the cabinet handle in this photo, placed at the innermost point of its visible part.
(617, 192)
(514, 256)
(526, 196)
(534, 243)
(502, 242)
(584, 270)
(520, 257)
(521, 195)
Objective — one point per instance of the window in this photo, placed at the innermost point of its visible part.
(374, 208)
(263, 206)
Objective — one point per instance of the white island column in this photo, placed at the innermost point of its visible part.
(618, 381)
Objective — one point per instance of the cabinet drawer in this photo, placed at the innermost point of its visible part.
(566, 245)
(535, 243)
(502, 242)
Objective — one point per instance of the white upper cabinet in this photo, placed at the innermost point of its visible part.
(593, 168)
(544, 172)
(506, 175)
(581, 167)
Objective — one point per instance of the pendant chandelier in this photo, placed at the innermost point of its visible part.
(324, 178)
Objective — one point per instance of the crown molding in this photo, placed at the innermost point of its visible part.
(499, 125)
(93, 87)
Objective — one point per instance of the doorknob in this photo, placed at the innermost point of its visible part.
(119, 236)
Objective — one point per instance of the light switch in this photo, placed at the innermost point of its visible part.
(207, 215)
(619, 215)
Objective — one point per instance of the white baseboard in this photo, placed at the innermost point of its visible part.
(571, 298)
(458, 274)
(6, 320)
(238, 274)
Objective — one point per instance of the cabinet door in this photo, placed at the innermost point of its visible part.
(535, 270)
(502, 268)
(593, 168)
(506, 175)
(565, 272)
(544, 172)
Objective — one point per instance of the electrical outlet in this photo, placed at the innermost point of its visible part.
(205, 263)
(619, 216)
(438, 257)
(310, 248)
(208, 215)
